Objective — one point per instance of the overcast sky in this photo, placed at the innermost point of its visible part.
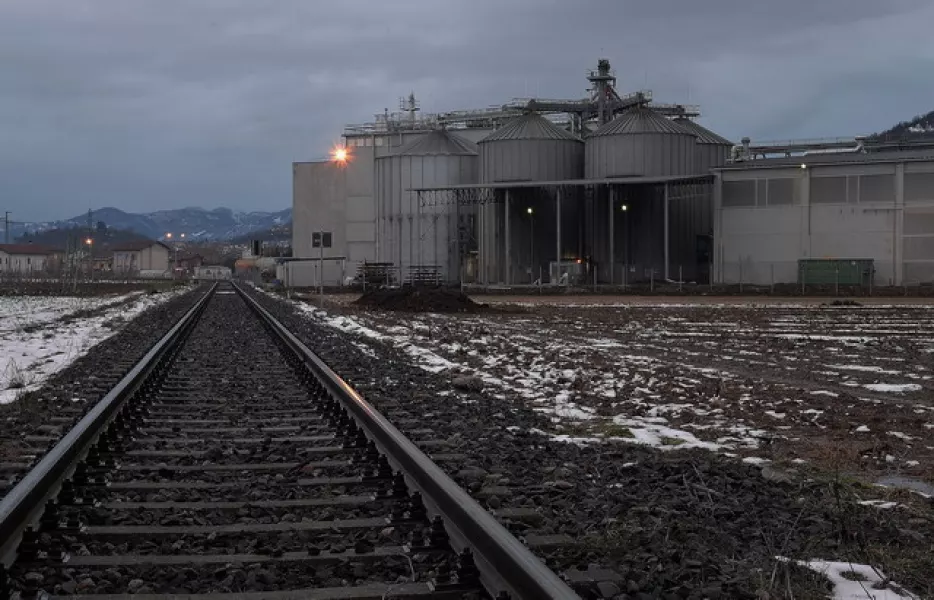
(149, 104)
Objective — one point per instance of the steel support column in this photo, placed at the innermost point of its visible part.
(667, 235)
(558, 235)
(612, 198)
(506, 208)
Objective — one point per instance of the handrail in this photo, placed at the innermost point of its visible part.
(22, 505)
(504, 563)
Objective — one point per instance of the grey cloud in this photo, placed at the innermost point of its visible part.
(144, 104)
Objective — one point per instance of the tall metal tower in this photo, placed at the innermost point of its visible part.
(604, 90)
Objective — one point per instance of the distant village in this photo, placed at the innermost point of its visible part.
(104, 253)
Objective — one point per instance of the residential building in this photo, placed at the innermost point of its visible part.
(27, 258)
(147, 255)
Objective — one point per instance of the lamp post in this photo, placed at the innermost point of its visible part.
(624, 208)
(90, 244)
(531, 244)
(181, 236)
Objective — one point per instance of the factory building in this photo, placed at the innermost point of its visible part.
(853, 205)
(606, 189)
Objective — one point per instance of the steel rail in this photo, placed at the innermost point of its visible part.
(505, 564)
(22, 506)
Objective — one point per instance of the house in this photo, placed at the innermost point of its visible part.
(130, 258)
(27, 258)
(188, 262)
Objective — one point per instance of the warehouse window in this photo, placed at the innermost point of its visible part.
(919, 248)
(876, 188)
(919, 223)
(782, 191)
(739, 193)
(852, 189)
(919, 187)
(828, 190)
(762, 192)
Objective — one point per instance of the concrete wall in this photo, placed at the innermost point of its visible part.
(22, 263)
(338, 199)
(153, 258)
(768, 219)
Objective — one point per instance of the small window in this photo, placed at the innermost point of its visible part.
(739, 193)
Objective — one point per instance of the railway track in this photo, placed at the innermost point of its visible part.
(232, 463)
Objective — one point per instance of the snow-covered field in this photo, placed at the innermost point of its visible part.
(42, 335)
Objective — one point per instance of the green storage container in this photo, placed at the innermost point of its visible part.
(835, 271)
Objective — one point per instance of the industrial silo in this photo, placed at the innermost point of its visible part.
(518, 231)
(711, 151)
(423, 237)
(640, 142)
(530, 148)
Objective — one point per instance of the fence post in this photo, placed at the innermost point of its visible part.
(680, 277)
(802, 275)
(652, 280)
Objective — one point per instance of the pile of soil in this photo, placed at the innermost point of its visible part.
(420, 299)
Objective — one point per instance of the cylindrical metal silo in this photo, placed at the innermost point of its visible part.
(411, 235)
(711, 150)
(527, 148)
(640, 142)
(530, 148)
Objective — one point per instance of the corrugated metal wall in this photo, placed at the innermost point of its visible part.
(640, 154)
(410, 236)
(531, 160)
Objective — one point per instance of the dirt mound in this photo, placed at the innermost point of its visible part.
(419, 299)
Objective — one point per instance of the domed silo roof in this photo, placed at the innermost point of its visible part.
(438, 143)
(408, 234)
(640, 142)
(712, 149)
(530, 148)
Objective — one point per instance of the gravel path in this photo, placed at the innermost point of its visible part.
(636, 522)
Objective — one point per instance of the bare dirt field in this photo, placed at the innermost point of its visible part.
(848, 389)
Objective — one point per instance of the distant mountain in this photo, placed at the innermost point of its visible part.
(278, 234)
(921, 126)
(63, 238)
(197, 224)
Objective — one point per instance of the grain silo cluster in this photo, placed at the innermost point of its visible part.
(588, 190)
(607, 190)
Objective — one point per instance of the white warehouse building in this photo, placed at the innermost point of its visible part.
(771, 213)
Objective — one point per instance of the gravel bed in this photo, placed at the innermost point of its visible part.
(253, 577)
(245, 515)
(686, 524)
(87, 379)
(235, 494)
(237, 543)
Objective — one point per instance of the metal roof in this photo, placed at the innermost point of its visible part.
(640, 120)
(530, 126)
(136, 246)
(704, 135)
(437, 143)
(848, 158)
(27, 249)
(635, 180)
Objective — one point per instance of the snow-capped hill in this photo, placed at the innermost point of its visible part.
(194, 222)
(921, 126)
